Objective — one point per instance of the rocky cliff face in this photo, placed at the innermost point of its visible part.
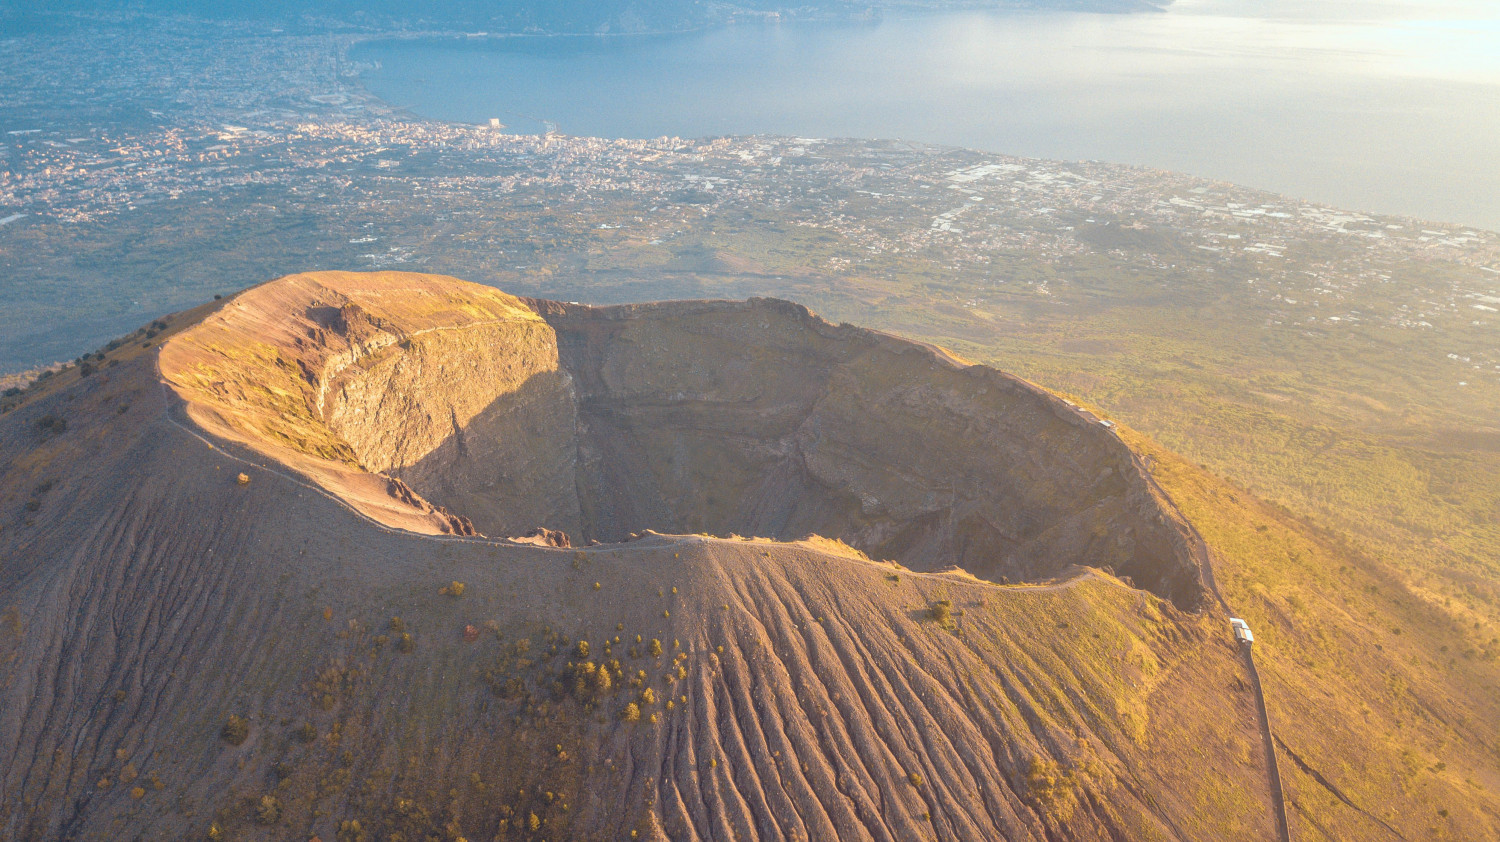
(758, 418)
(240, 608)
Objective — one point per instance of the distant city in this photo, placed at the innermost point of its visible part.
(117, 134)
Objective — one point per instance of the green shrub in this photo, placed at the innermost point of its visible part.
(941, 612)
(268, 811)
(1051, 787)
(236, 730)
(591, 681)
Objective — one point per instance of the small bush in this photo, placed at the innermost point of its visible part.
(941, 612)
(453, 589)
(655, 648)
(405, 643)
(307, 733)
(581, 651)
(398, 624)
(631, 713)
(236, 730)
(268, 811)
(914, 779)
(1051, 786)
(591, 681)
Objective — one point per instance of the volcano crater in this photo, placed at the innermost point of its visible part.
(753, 418)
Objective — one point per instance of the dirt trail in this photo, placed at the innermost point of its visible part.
(1278, 799)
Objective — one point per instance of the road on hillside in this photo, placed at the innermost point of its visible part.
(1283, 833)
(1278, 798)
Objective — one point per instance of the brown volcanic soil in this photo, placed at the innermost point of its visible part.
(150, 595)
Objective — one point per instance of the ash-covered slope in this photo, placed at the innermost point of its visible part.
(187, 654)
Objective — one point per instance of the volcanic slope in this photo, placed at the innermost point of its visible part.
(245, 590)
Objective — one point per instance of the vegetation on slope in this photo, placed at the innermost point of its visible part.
(1382, 698)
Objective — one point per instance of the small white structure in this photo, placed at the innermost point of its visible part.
(1241, 630)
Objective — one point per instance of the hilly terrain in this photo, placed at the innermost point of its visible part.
(394, 556)
(239, 608)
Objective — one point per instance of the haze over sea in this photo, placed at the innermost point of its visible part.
(1389, 106)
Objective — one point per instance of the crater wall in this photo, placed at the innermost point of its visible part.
(753, 418)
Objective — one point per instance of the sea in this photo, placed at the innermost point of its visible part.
(1386, 106)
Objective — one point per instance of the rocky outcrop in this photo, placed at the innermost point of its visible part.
(544, 537)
